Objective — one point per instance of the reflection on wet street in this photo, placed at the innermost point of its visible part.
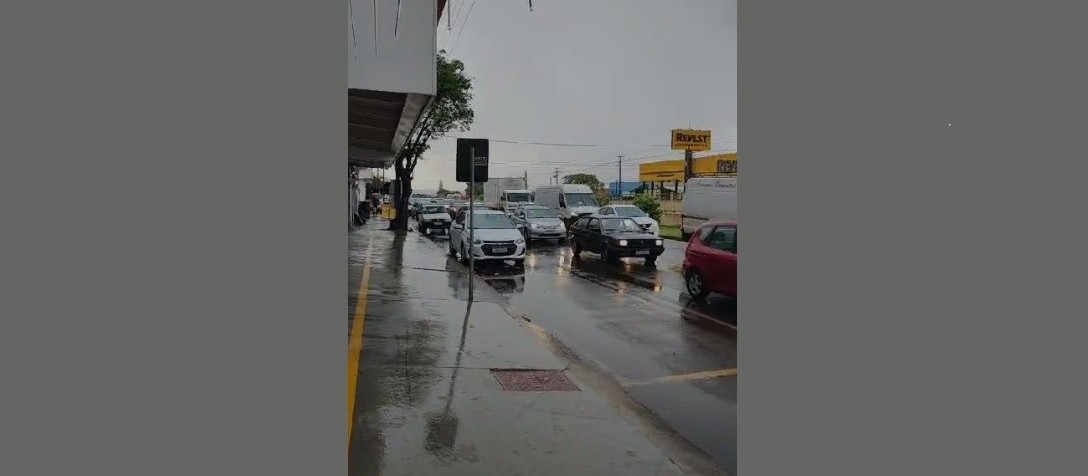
(425, 399)
(675, 356)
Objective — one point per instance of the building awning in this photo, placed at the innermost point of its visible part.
(379, 123)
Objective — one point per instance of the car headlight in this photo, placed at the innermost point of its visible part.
(623, 242)
(519, 241)
(660, 242)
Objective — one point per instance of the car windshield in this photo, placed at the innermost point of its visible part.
(619, 225)
(630, 212)
(519, 197)
(580, 200)
(541, 213)
(491, 221)
(429, 209)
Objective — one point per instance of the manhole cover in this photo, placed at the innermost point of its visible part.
(534, 381)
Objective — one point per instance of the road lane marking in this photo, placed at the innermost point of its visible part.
(707, 375)
(355, 343)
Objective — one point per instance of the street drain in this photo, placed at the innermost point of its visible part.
(534, 381)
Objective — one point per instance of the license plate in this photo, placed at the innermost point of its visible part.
(498, 250)
(642, 252)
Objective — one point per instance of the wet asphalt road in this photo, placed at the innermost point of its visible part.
(674, 356)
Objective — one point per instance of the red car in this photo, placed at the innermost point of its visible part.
(710, 261)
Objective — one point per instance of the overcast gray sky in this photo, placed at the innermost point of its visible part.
(609, 72)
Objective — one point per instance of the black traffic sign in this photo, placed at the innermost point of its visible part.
(466, 148)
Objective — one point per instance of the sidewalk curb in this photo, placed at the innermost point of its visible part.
(683, 454)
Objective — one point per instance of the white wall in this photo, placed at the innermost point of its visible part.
(403, 63)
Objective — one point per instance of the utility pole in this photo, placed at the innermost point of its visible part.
(688, 159)
(556, 175)
(619, 186)
(526, 180)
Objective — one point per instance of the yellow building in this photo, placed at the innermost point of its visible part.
(717, 165)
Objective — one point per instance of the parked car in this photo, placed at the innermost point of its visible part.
(415, 198)
(540, 223)
(413, 209)
(497, 238)
(432, 218)
(614, 237)
(710, 261)
(648, 224)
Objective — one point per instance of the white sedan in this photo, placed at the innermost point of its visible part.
(648, 224)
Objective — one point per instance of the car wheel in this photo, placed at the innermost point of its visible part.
(651, 261)
(606, 255)
(696, 286)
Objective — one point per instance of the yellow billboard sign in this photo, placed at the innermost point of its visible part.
(690, 139)
(673, 170)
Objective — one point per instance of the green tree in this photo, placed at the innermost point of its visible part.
(450, 110)
(649, 204)
(478, 192)
(584, 179)
(603, 197)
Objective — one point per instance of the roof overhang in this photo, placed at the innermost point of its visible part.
(379, 123)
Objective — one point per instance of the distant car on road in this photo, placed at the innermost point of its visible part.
(710, 261)
(413, 208)
(648, 224)
(614, 237)
(455, 206)
(497, 238)
(432, 218)
(540, 223)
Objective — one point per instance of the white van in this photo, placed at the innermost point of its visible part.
(569, 200)
(707, 199)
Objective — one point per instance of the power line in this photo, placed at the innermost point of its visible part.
(468, 15)
(558, 144)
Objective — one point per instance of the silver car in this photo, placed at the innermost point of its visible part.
(432, 218)
(540, 223)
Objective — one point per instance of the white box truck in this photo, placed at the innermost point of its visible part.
(505, 193)
(707, 199)
(569, 200)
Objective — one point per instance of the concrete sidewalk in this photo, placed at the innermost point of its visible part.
(426, 399)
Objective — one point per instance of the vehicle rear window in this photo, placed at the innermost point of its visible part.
(630, 212)
(704, 234)
(724, 238)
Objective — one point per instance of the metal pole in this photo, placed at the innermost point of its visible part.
(471, 223)
(619, 186)
(688, 165)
